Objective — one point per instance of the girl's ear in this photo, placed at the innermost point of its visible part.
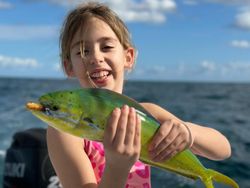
(130, 58)
(68, 68)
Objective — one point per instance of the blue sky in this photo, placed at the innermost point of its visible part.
(192, 40)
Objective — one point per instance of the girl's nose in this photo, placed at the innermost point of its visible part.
(96, 56)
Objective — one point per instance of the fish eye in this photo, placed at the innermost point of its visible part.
(54, 108)
(87, 119)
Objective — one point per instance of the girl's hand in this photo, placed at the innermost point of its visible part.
(171, 138)
(122, 138)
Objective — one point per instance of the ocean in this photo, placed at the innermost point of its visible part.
(223, 106)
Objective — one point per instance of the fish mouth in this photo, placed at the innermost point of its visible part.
(47, 109)
(50, 110)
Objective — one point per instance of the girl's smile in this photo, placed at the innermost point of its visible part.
(100, 77)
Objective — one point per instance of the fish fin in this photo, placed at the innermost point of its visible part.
(221, 178)
(161, 166)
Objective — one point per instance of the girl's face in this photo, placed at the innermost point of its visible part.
(105, 58)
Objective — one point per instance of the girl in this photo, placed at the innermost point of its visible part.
(97, 50)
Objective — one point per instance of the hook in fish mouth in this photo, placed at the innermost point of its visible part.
(48, 109)
(35, 106)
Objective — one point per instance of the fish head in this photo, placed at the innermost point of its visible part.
(69, 112)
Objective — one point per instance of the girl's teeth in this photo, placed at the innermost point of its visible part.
(99, 74)
(101, 78)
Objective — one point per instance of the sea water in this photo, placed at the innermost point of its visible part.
(223, 106)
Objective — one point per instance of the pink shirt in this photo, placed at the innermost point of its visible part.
(139, 176)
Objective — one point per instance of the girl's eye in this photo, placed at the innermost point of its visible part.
(86, 52)
(108, 47)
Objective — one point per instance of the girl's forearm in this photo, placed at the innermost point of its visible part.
(209, 143)
(114, 177)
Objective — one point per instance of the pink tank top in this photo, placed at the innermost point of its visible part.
(139, 176)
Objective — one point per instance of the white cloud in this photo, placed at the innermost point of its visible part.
(235, 69)
(152, 70)
(26, 32)
(240, 66)
(221, 68)
(204, 70)
(57, 67)
(143, 11)
(5, 5)
(16, 62)
(225, 2)
(144, 16)
(242, 19)
(240, 44)
(231, 71)
(132, 10)
(208, 66)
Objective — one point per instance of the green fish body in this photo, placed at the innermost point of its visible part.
(84, 113)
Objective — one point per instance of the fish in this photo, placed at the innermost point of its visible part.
(84, 113)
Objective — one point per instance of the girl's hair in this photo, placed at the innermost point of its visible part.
(78, 17)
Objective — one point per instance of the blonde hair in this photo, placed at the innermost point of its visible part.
(78, 17)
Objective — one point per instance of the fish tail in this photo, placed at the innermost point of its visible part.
(220, 178)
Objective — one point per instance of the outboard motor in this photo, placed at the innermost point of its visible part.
(27, 163)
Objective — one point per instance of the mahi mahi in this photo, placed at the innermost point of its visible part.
(84, 113)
